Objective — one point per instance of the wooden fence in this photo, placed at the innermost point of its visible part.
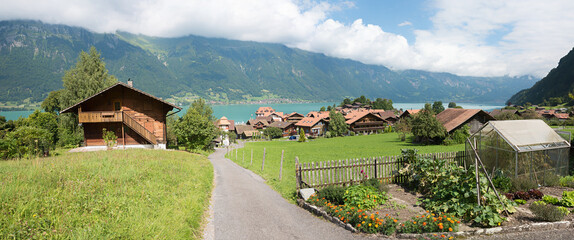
(343, 172)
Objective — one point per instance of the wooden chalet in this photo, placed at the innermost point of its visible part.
(294, 117)
(264, 111)
(136, 117)
(260, 122)
(409, 113)
(454, 118)
(312, 126)
(366, 122)
(389, 116)
(245, 131)
(225, 124)
(287, 128)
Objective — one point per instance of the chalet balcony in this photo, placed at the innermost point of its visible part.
(97, 117)
(370, 124)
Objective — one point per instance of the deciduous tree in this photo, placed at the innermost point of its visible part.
(337, 124)
(426, 128)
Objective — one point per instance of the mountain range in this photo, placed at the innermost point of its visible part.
(34, 56)
(557, 84)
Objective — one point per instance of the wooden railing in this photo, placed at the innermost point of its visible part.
(95, 117)
(368, 124)
(343, 172)
(138, 128)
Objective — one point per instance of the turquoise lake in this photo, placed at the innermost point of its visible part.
(243, 112)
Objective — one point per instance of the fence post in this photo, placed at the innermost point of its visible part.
(297, 173)
(263, 163)
(375, 167)
(281, 166)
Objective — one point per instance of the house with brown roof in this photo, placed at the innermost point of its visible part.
(288, 128)
(260, 122)
(294, 117)
(497, 112)
(454, 118)
(389, 116)
(137, 118)
(409, 112)
(246, 131)
(366, 123)
(276, 116)
(264, 111)
(225, 124)
(312, 126)
(316, 114)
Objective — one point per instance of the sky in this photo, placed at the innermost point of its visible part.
(463, 37)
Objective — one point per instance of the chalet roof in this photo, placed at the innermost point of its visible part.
(497, 112)
(387, 114)
(119, 85)
(223, 122)
(281, 125)
(240, 129)
(562, 115)
(322, 114)
(308, 122)
(452, 118)
(264, 111)
(295, 114)
(409, 112)
(263, 120)
(362, 115)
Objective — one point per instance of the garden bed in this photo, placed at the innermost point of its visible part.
(403, 206)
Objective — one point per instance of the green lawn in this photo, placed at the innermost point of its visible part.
(131, 194)
(321, 150)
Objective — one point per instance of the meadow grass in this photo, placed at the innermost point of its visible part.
(120, 194)
(321, 149)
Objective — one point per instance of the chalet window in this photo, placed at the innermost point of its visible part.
(117, 106)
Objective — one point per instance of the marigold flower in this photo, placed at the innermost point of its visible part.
(450, 229)
(424, 223)
(442, 236)
(376, 225)
(370, 224)
(342, 218)
(359, 225)
(395, 220)
(427, 211)
(440, 226)
(457, 221)
(414, 222)
(363, 222)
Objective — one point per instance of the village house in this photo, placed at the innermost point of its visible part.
(137, 118)
(312, 126)
(264, 112)
(496, 112)
(454, 118)
(389, 116)
(294, 117)
(225, 124)
(366, 123)
(260, 122)
(409, 113)
(245, 131)
(287, 128)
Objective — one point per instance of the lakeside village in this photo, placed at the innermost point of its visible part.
(363, 119)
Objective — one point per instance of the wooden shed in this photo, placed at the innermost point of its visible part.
(136, 117)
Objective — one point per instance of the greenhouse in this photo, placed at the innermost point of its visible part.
(517, 148)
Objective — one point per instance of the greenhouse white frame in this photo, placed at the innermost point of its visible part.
(521, 148)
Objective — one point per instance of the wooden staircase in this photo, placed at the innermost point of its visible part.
(138, 128)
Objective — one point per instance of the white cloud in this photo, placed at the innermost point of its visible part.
(405, 23)
(529, 35)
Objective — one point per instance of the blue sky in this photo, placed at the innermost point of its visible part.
(464, 37)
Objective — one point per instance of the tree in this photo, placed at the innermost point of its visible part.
(437, 107)
(195, 130)
(402, 127)
(507, 116)
(273, 132)
(426, 128)
(52, 102)
(302, 137)
(451, 105)
(337, 124)
(322, 109)
(87, 78)
(44, 120)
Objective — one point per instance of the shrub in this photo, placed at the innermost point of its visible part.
(509, 196)
(551, 180)
(352, 133)
(363, 197)
(523, 183)
(520, 201)
(327, 134)
(547, 212)
(333, 194)
(567, 181)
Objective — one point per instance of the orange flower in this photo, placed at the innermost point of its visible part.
(342, 218)
(359, 225)
(395, 220)
(440, 226)
(450, 229)
(427, 211)
(425, 223)
(414, 222)
(442, 236)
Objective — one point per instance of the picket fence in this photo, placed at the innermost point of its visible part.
(348, 171)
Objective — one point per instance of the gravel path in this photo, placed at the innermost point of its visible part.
(244, 207)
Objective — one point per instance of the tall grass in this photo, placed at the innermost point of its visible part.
(131, 194)
(321, 149)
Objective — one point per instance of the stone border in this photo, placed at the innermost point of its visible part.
(487, 231)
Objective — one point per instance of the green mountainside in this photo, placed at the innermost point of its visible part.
(557, 84)
(34, 57)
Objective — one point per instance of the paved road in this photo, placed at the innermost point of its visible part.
(532, 235)
(244, 207)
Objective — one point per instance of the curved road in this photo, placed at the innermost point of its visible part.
(244, 207)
